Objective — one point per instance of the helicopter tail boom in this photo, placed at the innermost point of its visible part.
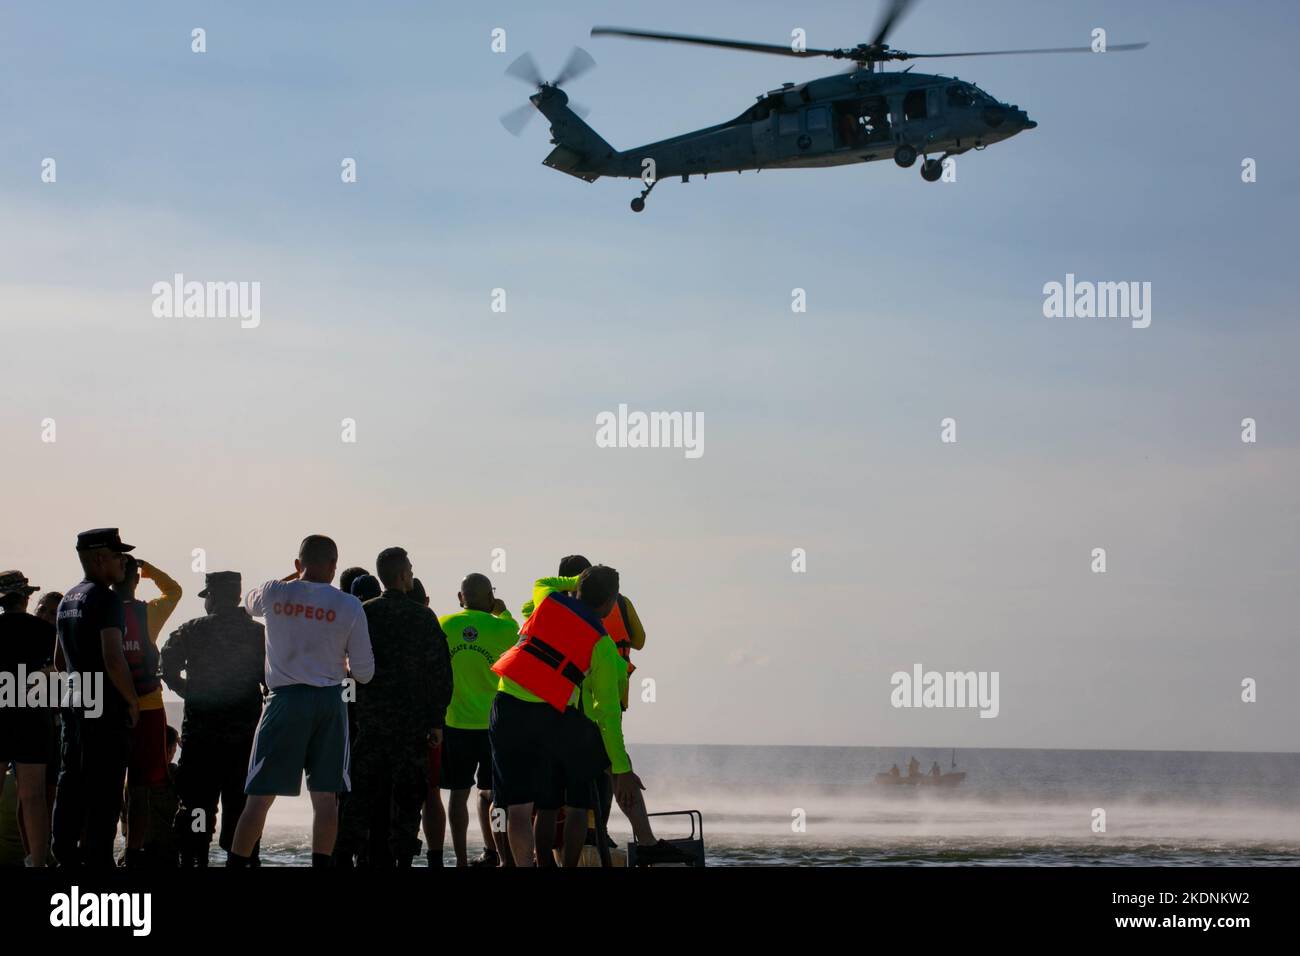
(579, 150)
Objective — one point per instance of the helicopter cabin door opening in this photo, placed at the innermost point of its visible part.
(860, 123)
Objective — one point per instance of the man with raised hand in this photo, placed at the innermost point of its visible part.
(216, 664)
(314, 634)
(146, 773)
(477, 635)
(100, 714)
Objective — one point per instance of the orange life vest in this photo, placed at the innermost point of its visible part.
(616, 625)
(554, 650)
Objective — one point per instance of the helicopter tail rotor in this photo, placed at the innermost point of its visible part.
(578, 63)
(516, 119)
(525, 68)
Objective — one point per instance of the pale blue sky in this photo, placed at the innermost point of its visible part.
(476, 430)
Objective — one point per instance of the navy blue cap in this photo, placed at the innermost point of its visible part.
(102, 538)
(366, 587)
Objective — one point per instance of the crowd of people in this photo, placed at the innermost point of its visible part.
(360, 687)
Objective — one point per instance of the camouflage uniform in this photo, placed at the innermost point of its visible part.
(405, 700)
(223, 656)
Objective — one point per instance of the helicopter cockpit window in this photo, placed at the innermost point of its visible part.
(961, 96)
(762, 109)
(818, 119)
(975, 96)
(914, 105)
(788, 123)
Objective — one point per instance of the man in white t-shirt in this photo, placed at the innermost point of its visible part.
(314, 634)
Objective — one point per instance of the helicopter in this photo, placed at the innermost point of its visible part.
(860, 115)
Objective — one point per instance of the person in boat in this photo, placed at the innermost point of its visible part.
(935, 772)
(894, 771)
(913, 767)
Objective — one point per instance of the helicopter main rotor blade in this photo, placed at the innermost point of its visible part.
(889, 19)
(525, 68)
(515, 120)
(779, 49)
(578, 63)
(1117, 48)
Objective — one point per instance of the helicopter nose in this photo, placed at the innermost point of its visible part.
(1014, 116)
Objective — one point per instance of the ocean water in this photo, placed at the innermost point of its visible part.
(819, 806)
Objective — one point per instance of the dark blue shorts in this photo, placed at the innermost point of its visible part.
(540, 755)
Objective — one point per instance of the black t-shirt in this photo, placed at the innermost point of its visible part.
(84, 611)
(27, 640)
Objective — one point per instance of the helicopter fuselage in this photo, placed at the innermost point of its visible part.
(836, 120)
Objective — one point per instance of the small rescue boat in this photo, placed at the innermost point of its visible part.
(895, 779)
(921, 779)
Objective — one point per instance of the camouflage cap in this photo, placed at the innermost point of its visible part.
(15, 582)
(221, 581)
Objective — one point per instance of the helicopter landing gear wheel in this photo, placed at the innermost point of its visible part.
(905, 156)
(931, 170)
(638, 204)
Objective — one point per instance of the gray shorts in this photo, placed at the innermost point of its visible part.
(302, 728)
